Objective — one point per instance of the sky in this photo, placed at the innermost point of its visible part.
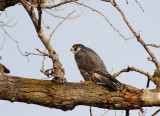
(90, 29)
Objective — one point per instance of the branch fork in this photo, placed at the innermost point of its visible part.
(58, 72)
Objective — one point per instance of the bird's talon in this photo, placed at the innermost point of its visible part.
(87, 82)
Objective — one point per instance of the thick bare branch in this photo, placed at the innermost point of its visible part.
(7, 3)
(42, 70)
(68, 95)
(58, 70)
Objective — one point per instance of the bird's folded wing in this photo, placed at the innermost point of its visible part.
(109, 76)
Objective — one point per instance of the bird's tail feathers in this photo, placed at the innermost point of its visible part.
(110, 77)
(103, 80)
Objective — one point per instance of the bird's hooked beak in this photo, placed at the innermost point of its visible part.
(71, 50)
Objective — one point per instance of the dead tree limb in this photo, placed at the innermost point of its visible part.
(156, 76)
(139, 39)
(68, 95)
(58, 72)
(7, 3)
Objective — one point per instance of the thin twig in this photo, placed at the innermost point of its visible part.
(154, 114)
(102, 16)
(6, 24)
(155, 61)
(59, 4)
(127, 112)
(149, 59)
(44, 54)
(139, 113)
(121, 113)
(1, 47)
(129, 68)
(139, 5)
(58, 72)
(27, 54)
(60, 24)
(13, 41)
(153, 45)
(90, 110)
(46, 26)
(42, 70)
(105, 112)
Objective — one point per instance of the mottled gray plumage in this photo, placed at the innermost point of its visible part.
(92, 67)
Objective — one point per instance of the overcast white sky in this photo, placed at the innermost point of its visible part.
(90, 29)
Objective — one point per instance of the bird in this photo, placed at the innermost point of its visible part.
(92, 67)
(3, 69)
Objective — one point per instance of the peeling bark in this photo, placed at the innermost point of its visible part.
(68, 95)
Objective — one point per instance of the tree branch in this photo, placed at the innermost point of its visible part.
(59, 4)
(129, 68)
(68, 95)
(58, 70)
(154, 59)
(154, 114)
(104, 17)
(140, 5)
(127, 112)
(153, 45)
(7, 3)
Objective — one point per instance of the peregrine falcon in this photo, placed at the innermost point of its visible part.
(92, 67)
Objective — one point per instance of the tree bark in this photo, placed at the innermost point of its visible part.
(68, 95)
(7, 3)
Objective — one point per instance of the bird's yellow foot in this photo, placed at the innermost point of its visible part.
(87, 82)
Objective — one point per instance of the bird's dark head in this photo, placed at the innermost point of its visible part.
(76, 47)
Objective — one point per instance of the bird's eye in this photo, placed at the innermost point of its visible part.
(75, 48)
